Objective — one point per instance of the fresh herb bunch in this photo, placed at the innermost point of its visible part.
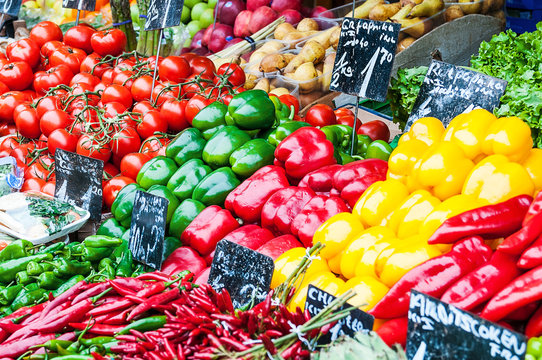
(55, 214)
(403, 92)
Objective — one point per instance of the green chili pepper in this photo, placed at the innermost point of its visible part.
(215, 187)
(123, 257)
(15, 250)
(252, 156)
(187, 145)
(23, 278)
(9, 268)
(183, 216)
(99, 340)
(163, 191)
(111, 227)
(74, 357)
(95, 254)
(67, 268)
(34, 268)
(51, 345)
(49, 281)
(146, 324)
(96, 241)
(51, 249)
(106, 265)
(210, 119)
(28, 297)
(185, 179)
(7, 295)
(68, 284)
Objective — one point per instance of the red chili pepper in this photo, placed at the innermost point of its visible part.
(394, 331)
(185, 258)
(132, 283)
(120, 289)
(481, 284)
(321, 180)
(72, 314)
(107, 308)
(291, 351)
(283, 206)
(489, 222)
(98, 329)
(62, 298)
(208, 228)
(516, 243)
(101, 287)
(315, 213)
(247, 200)
(156, 275)
(532, 257)
(158, 299)
(16, 348)
(277, 246)
(433, 277)
(521, 291)
(534, 326)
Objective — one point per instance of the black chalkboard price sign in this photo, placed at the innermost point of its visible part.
(245, 273)
(364, 58)
(162, 14)
(86, 5)
(148, 229)
(448, 90)
(10, 7)
(357, 320)
(437, 331)
(79, 181)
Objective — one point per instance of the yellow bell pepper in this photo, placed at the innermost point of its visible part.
(326, 281)
(406, 220)
(380, 199)
(509, 136)
(428, 129)
(336, 233)
(405, 259)
(357, 247)
(403, 158)
(384, 255)
(469, 130)
(335, 263)
(533, 166)
(497, 179)
(443, 170)
(367, 263)
(288, 262)
(368, 289)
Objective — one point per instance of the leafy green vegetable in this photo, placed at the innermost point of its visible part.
(55, 214)
(516, 59)
(403, 92)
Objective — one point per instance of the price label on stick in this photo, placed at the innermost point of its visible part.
(86, 5)
(245, 273)
(357, 320)
(365, 58)
(448, 90)
(162, 14)
(79, 181)
(148, 229)
(437, 331)
(10, 7)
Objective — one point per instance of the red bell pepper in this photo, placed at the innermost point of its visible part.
(394, 331)
(208, 228)
(481, 284)
(248, 199)
(203, 276)
(279, 245)
(303, 151)
(534, 209)
(183, 258)
(433, 277)
(283, 206)
(532, 257)
(516, 243)
(315, 213)
(321, 180)
(534, 326)
(250, 236)
(523, 290)
(489, 222)
(354, 178)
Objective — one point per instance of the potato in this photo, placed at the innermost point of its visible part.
(406, 42)
(383, 12)
(311, 52)
(334, 38)
(250, 81)
(453, 12)
(307, 24)
(470, 6)
(258, 55)
(427, 8)
(273, 62)
(410, 2)
(283, 29)
(263, 84)
(279, 91)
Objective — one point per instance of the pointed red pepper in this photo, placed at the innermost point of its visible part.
(394, 331)
(535, 208)
(516, 243)
(532, 257)
(534, 326)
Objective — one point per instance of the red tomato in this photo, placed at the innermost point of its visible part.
(289, 100)
(3, 88)
(90, 65)
(112, 188)
(194, 86)
(142, 107)
(61, 139)
(54, 119)
(48, 188)
(188, 56)
(20, 108)
(132, 163)
(26, 50)
(108, 42)
(117, 93)
(45, 31)
(124, 78)
(72, 57)
(150, 123)
(28, 123)
(30, 95)
(33, 184)
(89, 146)
(125, 141)
(174, 68)
(202, 65)
(20, 153)
(50, 47)
(79, 37)
(47, 103)
(160, 94)
(346, 117)
(8, 103)
(16, 75)
(7, 129)
(113, 109)
(110, 170)
(173, 111)
(44, 80)
(142, 88)
(232, 73)
(37, 170)
(320, 115)
(376, 130)
(9, 143)
(107, 76)
(194, 105)
(151, 60)
(154, 145)
(85, 78)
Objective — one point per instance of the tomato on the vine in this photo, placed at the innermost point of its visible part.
(26, 50)
(233, 72)
(108, 42)
(142, 107)
(49, 188)
(54, 119)
(194, 105)
(44, 80)
(150, 123)
(7, 129)
(85, 78)
(9, 143)
(124, 78)
(33, 184)
(79, 37)
(16, 75)
(91, 147)
(110, 170)
(62, 139)
(117, 93)
(28, 123)
(8, 103)
(90, 65)
(125, 141)
(45, 31)
(113, 109)
(174, 68)
(132, 163)
(72, 57)
(346, 117)
(47, 103)
(113, 186)
(173, 111)
(154, 145)
(142, 88)
(164, 91)
(321, 115)
(202, 65)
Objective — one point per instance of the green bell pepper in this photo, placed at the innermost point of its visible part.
(170, 245)
(214, 188)
(219, 148)
(185, 179)
(379, 149)
(284, 130)
(363, 143)
(183, 216)
(123, 205)
(111, 227)
(251, 110)
(210, 119)
(163, 191)
(340, 136)
(187, 145)
(156, 171)
(282, 112)
(251, 156)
